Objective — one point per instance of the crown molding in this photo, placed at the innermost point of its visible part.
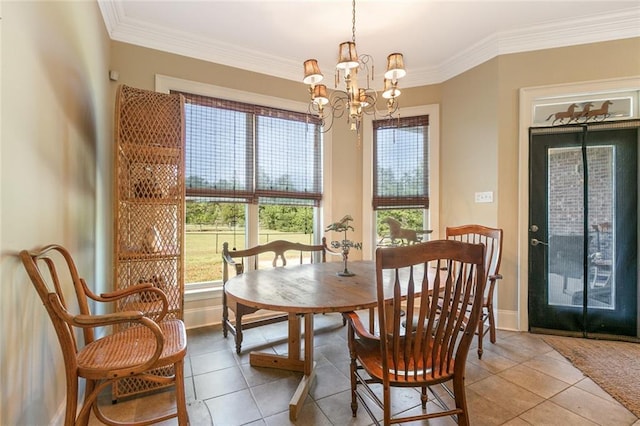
(603, 27)
(593, 29)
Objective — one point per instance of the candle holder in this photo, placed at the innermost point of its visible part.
(345, 245)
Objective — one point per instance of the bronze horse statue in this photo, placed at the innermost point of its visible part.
(405, 236)
(341, 225)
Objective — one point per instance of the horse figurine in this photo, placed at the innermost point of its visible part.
(602, 111)
(569, 114)
(406, 236)
(341, 225)
(586, 108)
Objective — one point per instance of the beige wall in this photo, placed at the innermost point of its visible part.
(468, 150)
(479, 142)
(55, 186)
(589, 62)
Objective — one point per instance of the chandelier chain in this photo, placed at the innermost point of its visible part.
(353, 22)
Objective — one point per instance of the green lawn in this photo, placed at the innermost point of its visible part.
(203, 251)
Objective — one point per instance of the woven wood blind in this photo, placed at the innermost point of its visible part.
(239, 152)
(400, 163)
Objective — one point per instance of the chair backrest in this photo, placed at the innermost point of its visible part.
(276, 252)
(51, 270)
(480, 234)
(437, 343)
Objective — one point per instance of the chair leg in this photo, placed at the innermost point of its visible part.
(238, 335)
(352, 372)
(181, 399)
(424, 397)
(461, 400)
(225, 314)
(72, 406)
(386, 403)
(492, 325)
(480, 335)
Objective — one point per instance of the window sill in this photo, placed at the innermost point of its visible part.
(202, 291)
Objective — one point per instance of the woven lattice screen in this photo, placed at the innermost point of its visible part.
(148, 205)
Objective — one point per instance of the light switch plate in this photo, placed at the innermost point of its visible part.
(484, 197)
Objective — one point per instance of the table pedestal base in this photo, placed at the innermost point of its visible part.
(293, 361)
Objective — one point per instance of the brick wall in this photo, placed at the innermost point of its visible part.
(566, 197)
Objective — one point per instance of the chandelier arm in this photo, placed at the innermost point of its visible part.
(325, 125)
(339, 103)
(363, 60)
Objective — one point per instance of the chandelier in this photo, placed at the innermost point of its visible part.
(353, 99)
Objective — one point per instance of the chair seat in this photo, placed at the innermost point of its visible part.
(369, 355)
(130, 347)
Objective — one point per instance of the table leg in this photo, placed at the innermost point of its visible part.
(294, 336)
(298, 398)
(293, 361)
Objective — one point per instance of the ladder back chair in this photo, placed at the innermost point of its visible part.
(274, 254)
(433, 349)
(492, 239)
(137, 346)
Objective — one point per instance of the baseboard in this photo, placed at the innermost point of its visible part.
(202, 316)
(507, 320)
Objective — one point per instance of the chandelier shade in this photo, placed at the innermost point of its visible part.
(312, 74)
(353, 99)
(320, 95)
(390, 89)
(395, 67)
(347, 56)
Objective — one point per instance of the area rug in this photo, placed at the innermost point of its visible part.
(614, 366)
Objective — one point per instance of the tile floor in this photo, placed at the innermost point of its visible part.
(519, 381)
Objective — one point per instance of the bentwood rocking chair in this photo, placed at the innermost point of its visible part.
(146, 344)
(429, 351)
(492, 240)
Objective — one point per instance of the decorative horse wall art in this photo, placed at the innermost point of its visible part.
(601, 113)
(586, 114)
(403, 236)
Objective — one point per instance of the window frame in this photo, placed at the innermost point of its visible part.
(431, 215)
(385, 200)
(165, 84)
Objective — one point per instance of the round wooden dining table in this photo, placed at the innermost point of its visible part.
(302, 291)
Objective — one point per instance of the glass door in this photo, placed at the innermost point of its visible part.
(583, 230)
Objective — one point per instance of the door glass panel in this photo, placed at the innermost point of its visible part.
(566, 284)
(601, 279)
(566, 218)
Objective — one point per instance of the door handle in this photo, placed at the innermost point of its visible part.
(535, 242)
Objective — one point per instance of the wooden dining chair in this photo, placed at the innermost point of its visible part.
(273, 254)
(492, 239)
(137, 347)
(434, 349)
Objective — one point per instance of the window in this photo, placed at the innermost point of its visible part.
(401, 178)
(240, 156)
